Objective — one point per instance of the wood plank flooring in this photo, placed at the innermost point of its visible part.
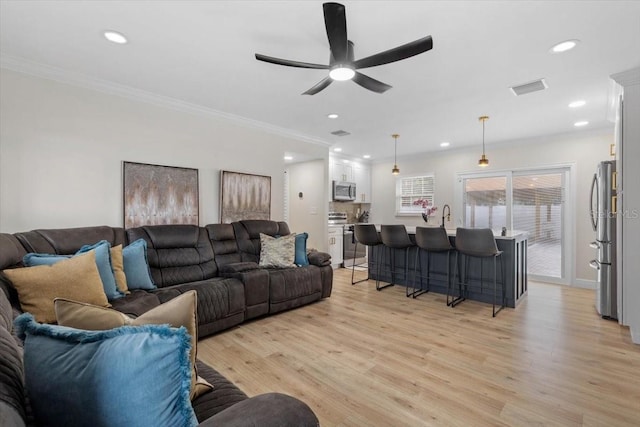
(368, 358)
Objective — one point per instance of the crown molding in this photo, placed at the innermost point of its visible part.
(628, 78)
(36, 69)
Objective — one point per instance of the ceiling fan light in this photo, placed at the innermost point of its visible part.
(342, 72)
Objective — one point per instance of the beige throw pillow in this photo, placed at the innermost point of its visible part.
(277, 252)
(179, 311)
(75, 278)
(117, 264)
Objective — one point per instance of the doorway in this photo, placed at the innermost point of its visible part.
(532, 200)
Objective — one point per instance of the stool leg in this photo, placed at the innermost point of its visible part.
(455, 301)
(419, 260)
(353, 267)
(392, 263)
(414, 289)
(495, 278)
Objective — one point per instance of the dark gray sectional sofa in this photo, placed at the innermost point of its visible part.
(220, 262)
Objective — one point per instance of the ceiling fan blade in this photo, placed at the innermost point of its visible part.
(369, 83)
(322, 84)
(396, 54)
(335, 22)
(290, 63)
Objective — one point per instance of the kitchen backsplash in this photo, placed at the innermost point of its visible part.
(353, 210)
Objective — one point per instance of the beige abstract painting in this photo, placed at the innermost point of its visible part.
(244, 196)
(155, 194)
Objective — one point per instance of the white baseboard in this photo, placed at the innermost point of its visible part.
(583, 283)
(635, 335)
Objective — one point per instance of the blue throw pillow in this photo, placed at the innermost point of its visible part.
(103, 261)
(134, 376)
(33, 260)
(301, 249)
(136, 266)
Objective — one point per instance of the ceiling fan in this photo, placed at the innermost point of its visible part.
(342, 65)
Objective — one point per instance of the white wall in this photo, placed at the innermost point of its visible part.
(309, 212)
(62, 147)
(584, 149)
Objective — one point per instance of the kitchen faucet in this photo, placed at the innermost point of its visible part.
(448, 208)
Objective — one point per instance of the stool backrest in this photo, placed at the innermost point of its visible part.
(432, 239)
(476, 242)
(395, 236)
(366, 234)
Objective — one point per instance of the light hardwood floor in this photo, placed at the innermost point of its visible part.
(368, 358)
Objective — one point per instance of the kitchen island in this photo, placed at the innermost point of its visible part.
(513, 245)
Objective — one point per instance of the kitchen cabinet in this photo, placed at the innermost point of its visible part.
(340, 171)
(362, 178)
(335, 245)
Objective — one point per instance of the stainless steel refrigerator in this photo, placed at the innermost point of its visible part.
(603, 219)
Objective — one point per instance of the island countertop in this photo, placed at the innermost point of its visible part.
(451, 232)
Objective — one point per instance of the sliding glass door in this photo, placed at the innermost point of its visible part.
(527, 200)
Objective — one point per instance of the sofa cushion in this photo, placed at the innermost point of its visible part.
(67, 241)
(291, 284)
(218, 298)
(76, 278)
(223, 241)
(78, 378)
(136, 266)
(180, 311)
(223, 395)
(176, 253)
(277, 252)
(11, 374)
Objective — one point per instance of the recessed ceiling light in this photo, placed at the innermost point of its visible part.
(288, 157)
(444, 144)
(366, 156)
(582, 123)
(115, 37)
(337, 149)
(576, 104)
(564, 46)
(332, 116)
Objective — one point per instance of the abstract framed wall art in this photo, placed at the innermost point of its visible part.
(244, 196)
(155, 194)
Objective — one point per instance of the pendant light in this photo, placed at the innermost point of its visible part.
(395, 169)
(483, 162)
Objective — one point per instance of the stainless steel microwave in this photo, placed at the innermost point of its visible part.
(344, 191)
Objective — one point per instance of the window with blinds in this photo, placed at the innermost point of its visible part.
(410, 190)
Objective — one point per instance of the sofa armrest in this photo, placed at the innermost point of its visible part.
(319, 258)
(265, 410)
(237, 267)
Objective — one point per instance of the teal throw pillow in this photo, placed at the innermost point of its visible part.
(33, 259)
(103, 261)
(301, 249)
(136, 266)
(133, 376)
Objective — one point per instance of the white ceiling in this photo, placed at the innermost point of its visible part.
(202, 53)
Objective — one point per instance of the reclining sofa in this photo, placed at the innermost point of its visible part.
(220, 262)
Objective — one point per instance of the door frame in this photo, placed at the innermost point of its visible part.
(568, 212)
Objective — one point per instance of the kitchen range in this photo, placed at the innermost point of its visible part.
(349, 254)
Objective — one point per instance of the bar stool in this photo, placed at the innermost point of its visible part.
(431, 240)
(477, 243)
(396, 237)
(366, 234)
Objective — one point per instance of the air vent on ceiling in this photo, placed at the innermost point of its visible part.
(533, 86)
(340, 133)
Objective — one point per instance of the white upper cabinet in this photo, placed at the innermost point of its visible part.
(340, 171)
(362, 178)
